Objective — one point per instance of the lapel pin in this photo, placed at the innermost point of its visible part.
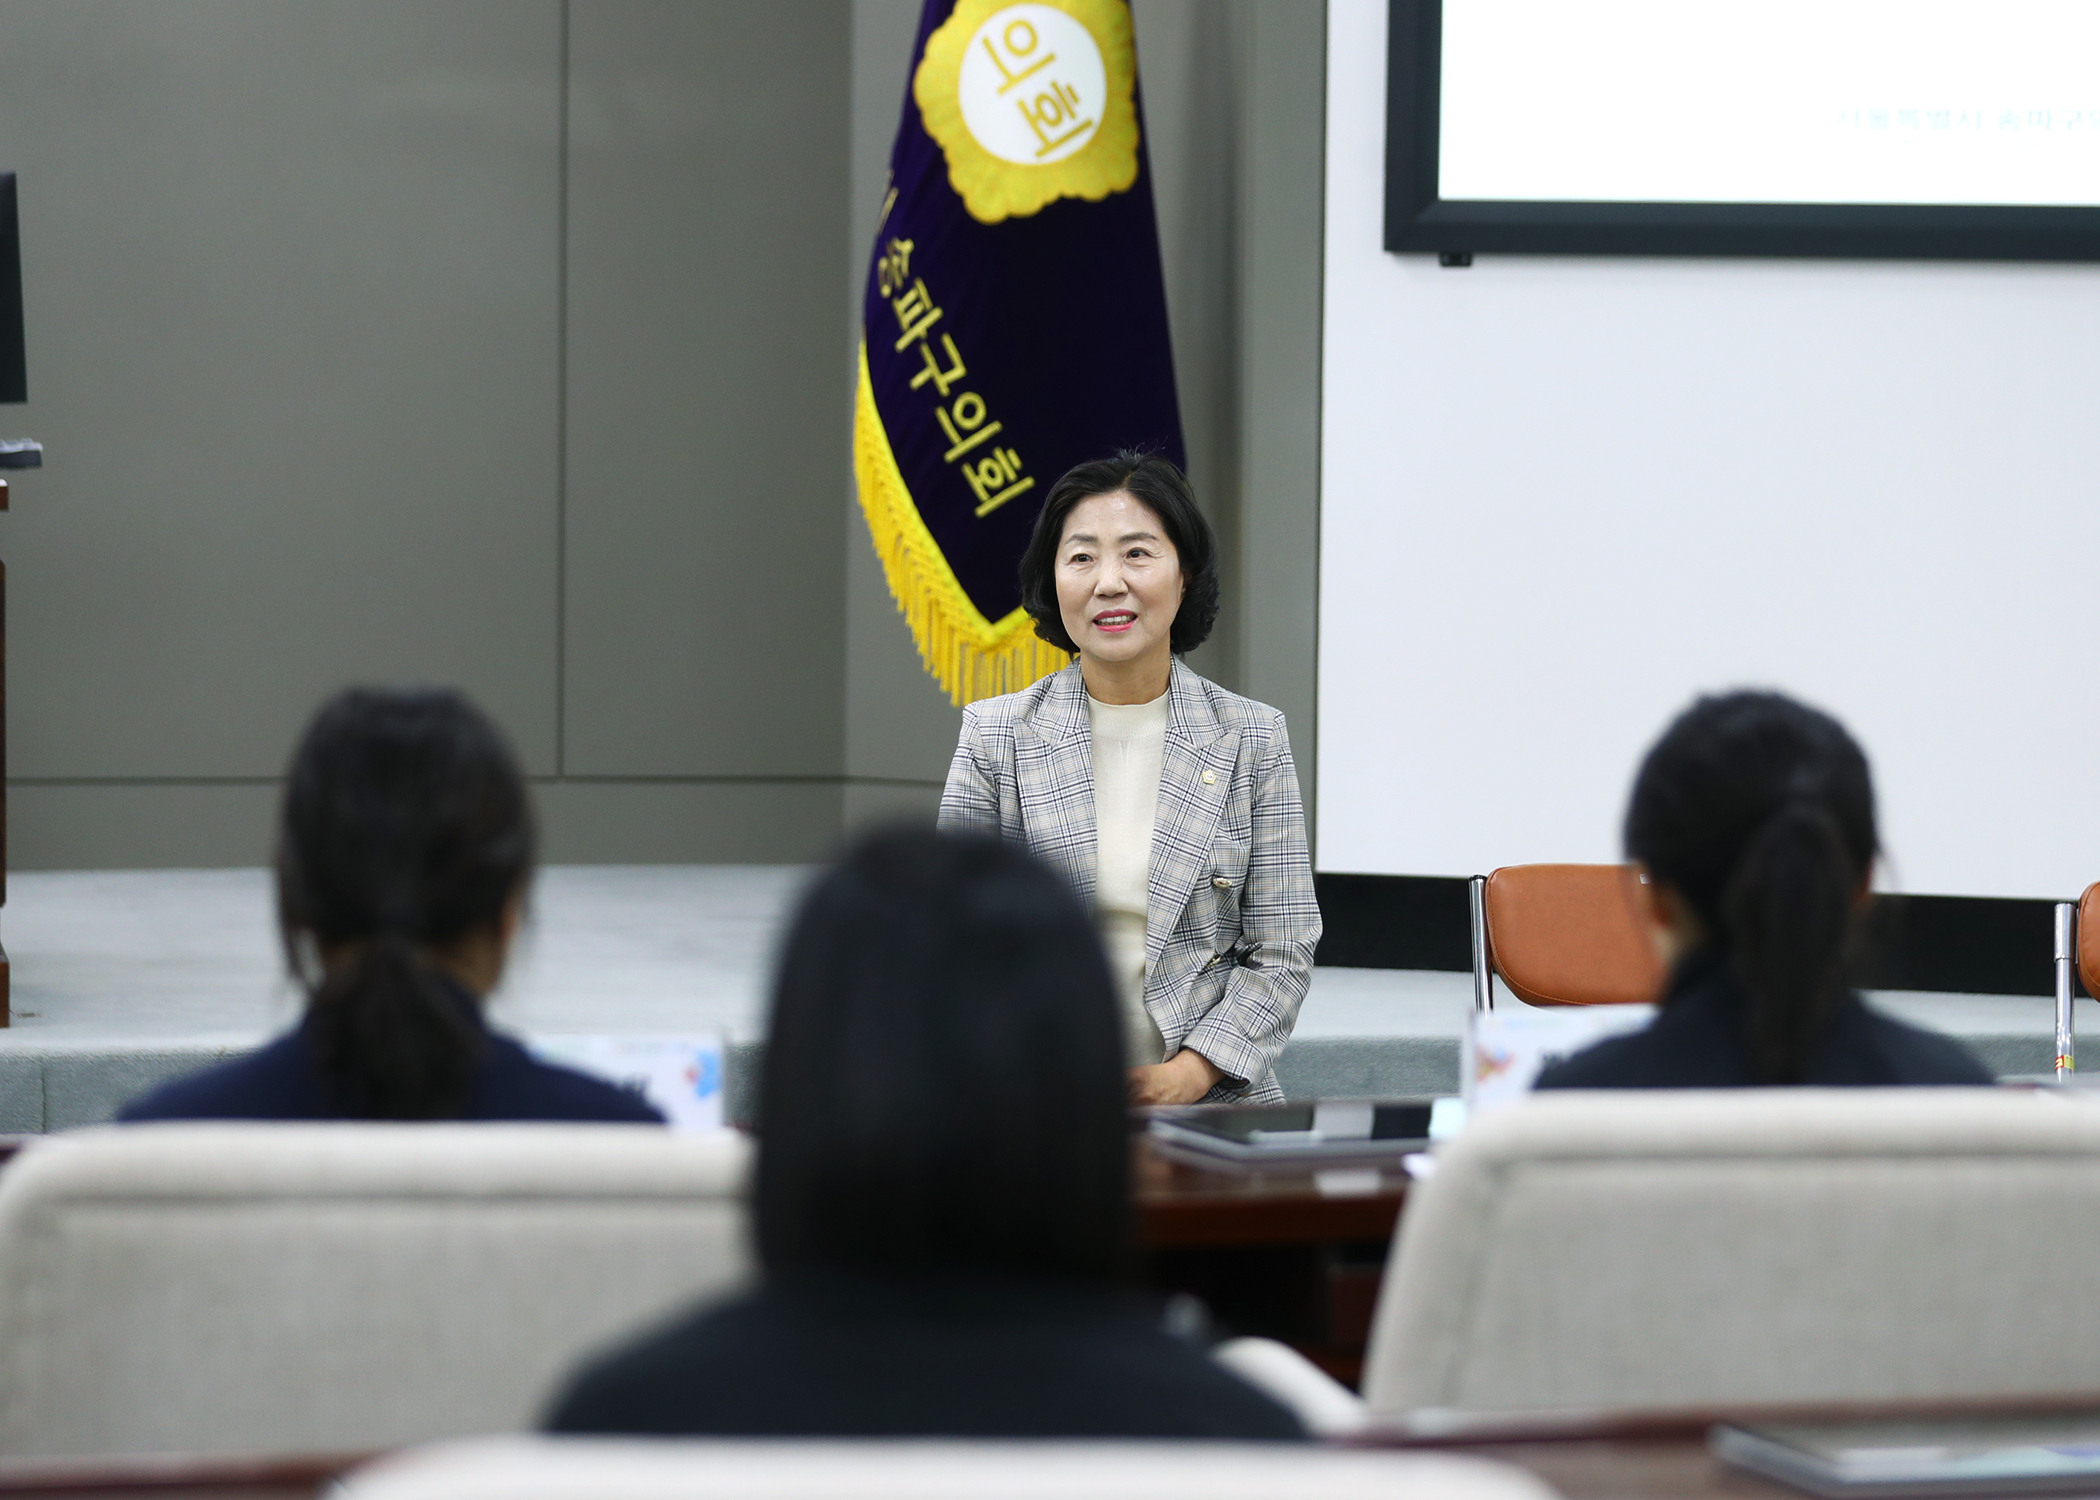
(1209, 777)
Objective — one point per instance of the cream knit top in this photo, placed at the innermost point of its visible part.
(1130, 746)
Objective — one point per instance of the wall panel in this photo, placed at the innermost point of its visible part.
(290, 276)
(707, 403)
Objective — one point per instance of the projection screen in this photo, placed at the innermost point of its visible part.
(1561, 496)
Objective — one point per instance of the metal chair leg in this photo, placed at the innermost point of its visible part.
(2066, 951)
(1483, 971)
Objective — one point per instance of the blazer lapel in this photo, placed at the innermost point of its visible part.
(1054, 780)
(1185, 825)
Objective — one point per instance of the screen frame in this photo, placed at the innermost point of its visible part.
(1417, 220)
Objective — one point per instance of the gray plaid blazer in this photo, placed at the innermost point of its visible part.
(1231, 921)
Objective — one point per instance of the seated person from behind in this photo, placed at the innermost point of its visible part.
(402, 866)
(943, 1198)
(1752, 821)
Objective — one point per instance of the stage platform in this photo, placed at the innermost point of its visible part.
(122, 979)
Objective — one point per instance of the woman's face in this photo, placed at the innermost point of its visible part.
(1119, 581)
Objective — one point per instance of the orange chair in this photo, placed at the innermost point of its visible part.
(2077, 940)
(1561, 935)
(2088, 928)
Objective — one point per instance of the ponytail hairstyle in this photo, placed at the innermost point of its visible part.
(405, 829)
(1759, 811)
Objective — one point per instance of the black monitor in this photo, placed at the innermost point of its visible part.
(14, 378)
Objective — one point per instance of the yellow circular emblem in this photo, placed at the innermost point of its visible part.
(1031, 103)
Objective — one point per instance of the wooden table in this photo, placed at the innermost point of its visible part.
(1676, 1468)
(1290, 1254)
(1626, 1455)
(206, 1477)
(1605, 1456)
(1656, 1468)
(1636, 1455)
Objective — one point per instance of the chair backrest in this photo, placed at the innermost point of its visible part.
(1690, 1249)
(593, 1469)
(2089, 938)
(338, 1288)
(1568, 935)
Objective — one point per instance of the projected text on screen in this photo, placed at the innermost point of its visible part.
(1783, 101)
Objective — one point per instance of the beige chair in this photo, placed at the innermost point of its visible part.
(1663, 1249)
(596, 1469)
(338, 1288)
(1323, 1405)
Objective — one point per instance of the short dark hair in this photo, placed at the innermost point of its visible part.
(1160, 486)
(405, 827)
(943, 1082)
(1759, 811)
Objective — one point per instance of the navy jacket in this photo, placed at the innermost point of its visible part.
(281, 1082)
(1701, 1040)
(843, 1355)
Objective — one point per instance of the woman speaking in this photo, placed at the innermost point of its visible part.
(1170, 804)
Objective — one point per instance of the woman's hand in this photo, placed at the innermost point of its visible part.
(1182, 1079)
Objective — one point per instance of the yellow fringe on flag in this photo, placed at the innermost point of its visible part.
(969, 656)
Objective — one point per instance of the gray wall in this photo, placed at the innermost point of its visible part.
(706, 196)
(475, 342)
(900, 729)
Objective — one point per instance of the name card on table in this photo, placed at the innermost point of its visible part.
(1507, 1048)
(681, 1075)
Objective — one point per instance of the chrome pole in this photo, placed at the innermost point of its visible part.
(2066, 950)
(1483, 971)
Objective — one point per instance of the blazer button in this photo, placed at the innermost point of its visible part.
(1220, 883)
